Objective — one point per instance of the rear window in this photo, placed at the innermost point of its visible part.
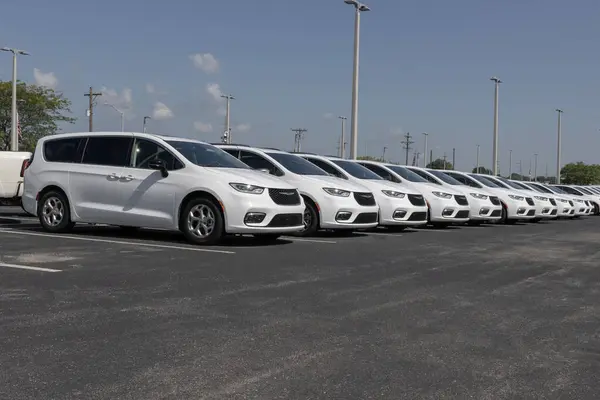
(67, 150)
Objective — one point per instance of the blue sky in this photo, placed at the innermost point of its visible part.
(425, 67)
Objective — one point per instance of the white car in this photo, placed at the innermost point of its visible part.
(399, 206)
(578, 207)
(484, 205)
(594, 199)
(12, 168)
(588, 200)
(142, 180)
(514, 204)
(445, 206)
(562, 202)
(331, 203)
(545, 205)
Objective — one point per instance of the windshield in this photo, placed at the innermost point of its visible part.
(584, 190)
(406, 174)
(356, 170)
(541, 188)
(443, 177)
(555, 189)
(296, 165)
(206, 155)
(571, 190)
(485, 181)
(521, 186)
(513, 185)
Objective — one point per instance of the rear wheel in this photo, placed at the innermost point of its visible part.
(54, 212)
(201, 221)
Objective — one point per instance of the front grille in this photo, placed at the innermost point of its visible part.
(284, 220)
(571, 203)
(418, 216)
(496, 213)
(364, 199)
(416, 199)
(462, 200)
(530, 201)
(553, 202)
(285, 197)
(462, 214)
(366, 218)
(495, 201)
(531, 213)
(553, 212)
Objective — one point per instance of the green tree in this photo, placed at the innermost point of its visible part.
(580, 173)
(41, 110)
(482, 170)
(516, 177)
(369, 158)
(440, 164)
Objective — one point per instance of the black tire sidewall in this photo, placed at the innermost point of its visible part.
(218, 230)
(314, 225)
(66, 224)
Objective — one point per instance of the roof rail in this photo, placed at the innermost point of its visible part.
(231, 144)
(304, 152)
(266, 148)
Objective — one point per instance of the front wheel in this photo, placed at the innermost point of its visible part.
(201, 222)
(54, 213)
(310, 219)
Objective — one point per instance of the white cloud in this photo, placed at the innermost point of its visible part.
(161, 111)
(150, 89)
(214, 90)
(47, 79)
(202, 127)
(328, 115)
(206, 62)
(123, 100)
(242, 128)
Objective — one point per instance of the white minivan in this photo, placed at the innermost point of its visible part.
(142, 180)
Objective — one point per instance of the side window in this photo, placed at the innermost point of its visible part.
(145, 151)
(327, 168)
(256, 161)
(233, 152)
(67, 150)
(463, 180)
(388, 176)
(108, 150)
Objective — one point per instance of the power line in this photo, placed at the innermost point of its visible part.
(407, 142)
(92, 102)
(298, 134)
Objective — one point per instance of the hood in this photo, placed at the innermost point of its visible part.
(430, 187)
(378, 185)
(250, 176)
(310, 181)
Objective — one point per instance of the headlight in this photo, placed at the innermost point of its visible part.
(246, 188)
(519, 198)
(442, 195)
(564, 201)
(337, 192)
(479, 196)
(540, 198)
(393, 193)
(579, 201)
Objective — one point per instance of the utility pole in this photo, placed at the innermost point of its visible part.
(144, 125)
(520, 163)
(430, 157)
(497, 83)
(342, 138)
(92, 102)
(546, 176)
(444, 161)
(298, 133)
(454, 158)
(383, 155)
(558, 147)
(477, 164)
(227, 126)
(425, 151)
(510, 164)
(535, 168)
(407, 142)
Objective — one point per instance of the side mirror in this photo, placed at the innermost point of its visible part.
(159, 165)
(266, 171)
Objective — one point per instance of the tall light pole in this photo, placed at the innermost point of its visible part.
(497, 83)
(145, 119)
(359, 7)
(558, 147)
(477, 167)
(342, 138)
(425, 151)
(383, 155)
(535, 168)
(227, 126)
(510, 164)
(14, 140)
(120, 112)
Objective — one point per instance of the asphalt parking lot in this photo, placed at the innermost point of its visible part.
(491, 312)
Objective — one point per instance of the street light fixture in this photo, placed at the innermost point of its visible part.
(14, 144)
(497, 83)
(120, 112)
(359, 7)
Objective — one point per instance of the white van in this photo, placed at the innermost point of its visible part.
(143, 180)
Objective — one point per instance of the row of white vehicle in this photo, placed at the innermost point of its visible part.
(206, 191)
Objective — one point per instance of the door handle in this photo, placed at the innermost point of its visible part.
(113, 177)
(127, 178)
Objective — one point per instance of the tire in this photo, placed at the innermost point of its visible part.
(201, 221)
(268, 237)
(310, 220)
(54, 212)
(129, 230)
(474, 223)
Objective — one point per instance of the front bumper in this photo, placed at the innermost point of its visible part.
(400, 212)
(447, 210)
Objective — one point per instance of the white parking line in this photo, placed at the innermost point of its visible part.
(28, 267)
(383, 234)
(90, 239)
(295, 239)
